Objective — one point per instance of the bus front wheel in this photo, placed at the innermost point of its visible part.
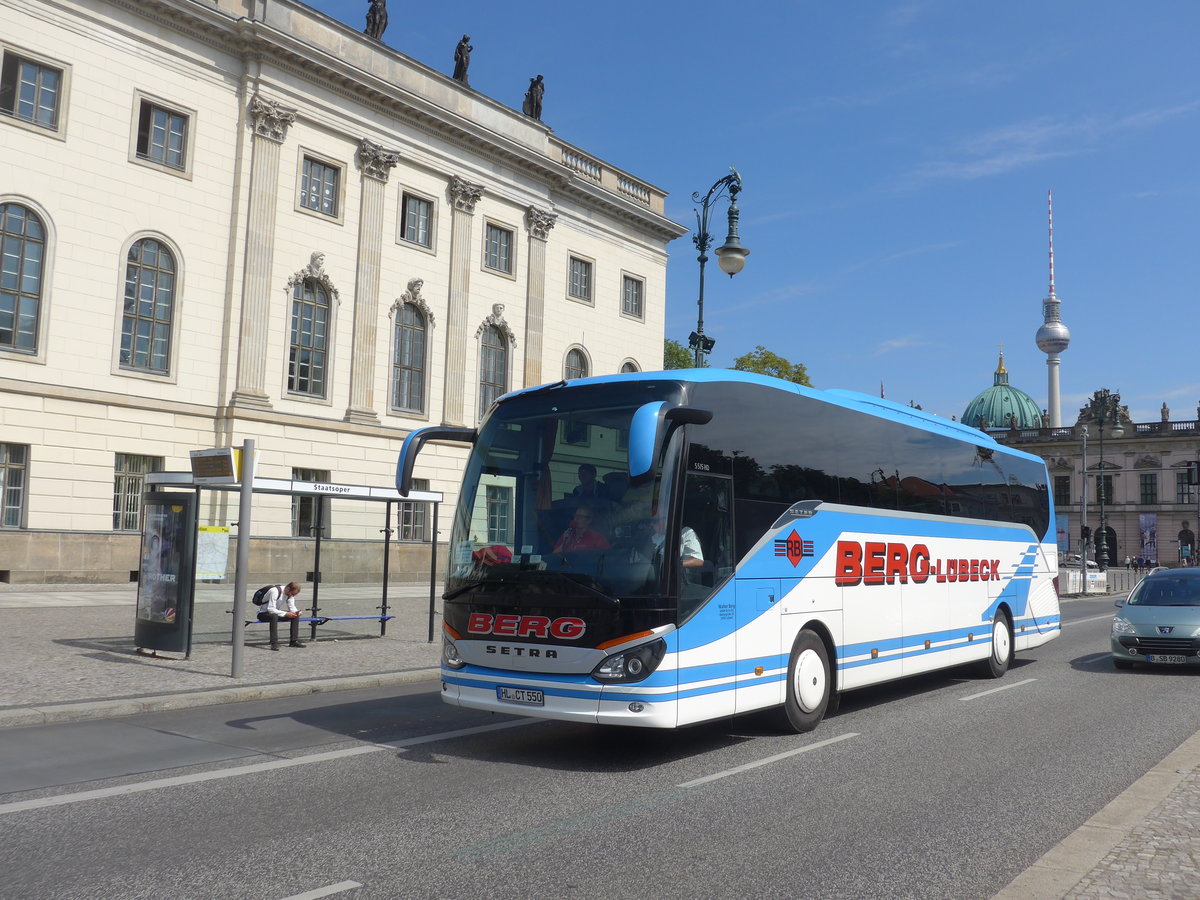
(1001, 653)
(809, 684)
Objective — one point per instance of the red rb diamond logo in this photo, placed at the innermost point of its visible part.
(794, 548)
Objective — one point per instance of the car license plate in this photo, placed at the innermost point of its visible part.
(1166, 658)
(528, 696)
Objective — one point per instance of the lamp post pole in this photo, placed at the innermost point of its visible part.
(1106, 408)
(1083, 529)
(731, 255)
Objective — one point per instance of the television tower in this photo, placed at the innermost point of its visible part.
(1053, 337)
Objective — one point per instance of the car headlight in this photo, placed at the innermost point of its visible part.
(1122, 626)
(450, 657)
(633, 665)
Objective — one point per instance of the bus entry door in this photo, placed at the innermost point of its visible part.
(758, 637)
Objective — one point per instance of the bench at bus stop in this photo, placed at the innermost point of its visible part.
(316, 621)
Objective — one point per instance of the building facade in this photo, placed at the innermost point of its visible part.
(1133, 481)
(241, 219)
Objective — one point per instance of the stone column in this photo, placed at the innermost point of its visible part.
(376, 164)
(539, 222)
(463, 197)
(270, 121)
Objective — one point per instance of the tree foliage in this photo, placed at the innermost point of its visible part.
(676, 356)
(764, 362)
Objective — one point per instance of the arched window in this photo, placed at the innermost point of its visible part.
(493, 367)
(310, 338)
(149, 307)
(629, 366)
(408, 360)
(576, 366)
(22, 254)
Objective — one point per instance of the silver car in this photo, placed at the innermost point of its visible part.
(1160, 621)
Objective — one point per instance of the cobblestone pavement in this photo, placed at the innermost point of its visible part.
(67, 653)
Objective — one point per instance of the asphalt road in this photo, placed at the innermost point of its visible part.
(938, 786)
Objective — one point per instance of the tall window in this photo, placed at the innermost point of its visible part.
(309, 340)
(22, 250)
(499, 514)
(632, 290)
(1104, 489)
(1148, 487)
(128, 486)
(149, 306)
(30, 91)
(1062, 490)
(408, 360)
(629, 366)
(576, 366)
(579, 283)
(14, 462)
(415, 219)
(319, 187)
(1184, 492)
(497, 249)
(493, 367)
(304, 508)
(413, 519)
(162, 135)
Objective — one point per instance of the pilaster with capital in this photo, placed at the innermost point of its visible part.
(463, 197)
(539, 222)
(270, 121)
(376, 164)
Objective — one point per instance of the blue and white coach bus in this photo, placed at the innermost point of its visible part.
(664, 548)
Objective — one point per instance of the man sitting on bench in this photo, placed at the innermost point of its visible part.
(273, 610)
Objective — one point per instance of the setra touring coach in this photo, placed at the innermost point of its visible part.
(663, 548)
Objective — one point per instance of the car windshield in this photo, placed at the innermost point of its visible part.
(1170, 591)
(547, 506)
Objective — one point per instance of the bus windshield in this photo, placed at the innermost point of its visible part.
(547, 508)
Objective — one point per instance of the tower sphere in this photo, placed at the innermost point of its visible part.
(1053, 337)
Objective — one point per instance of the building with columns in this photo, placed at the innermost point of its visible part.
(241, 219)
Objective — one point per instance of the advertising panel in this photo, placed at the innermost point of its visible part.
(167, 573)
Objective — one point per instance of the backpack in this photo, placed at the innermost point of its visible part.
(260, 596)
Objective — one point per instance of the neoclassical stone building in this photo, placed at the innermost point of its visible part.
(239, 219)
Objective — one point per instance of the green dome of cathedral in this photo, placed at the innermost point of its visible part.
(999, 405)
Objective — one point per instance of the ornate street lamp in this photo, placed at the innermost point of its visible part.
(1083, 504)
(1106, 409)
(731, 255)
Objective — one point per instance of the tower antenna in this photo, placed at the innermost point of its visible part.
(1050, 211)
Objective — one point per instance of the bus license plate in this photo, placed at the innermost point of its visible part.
(1166, 658)
(523, 696)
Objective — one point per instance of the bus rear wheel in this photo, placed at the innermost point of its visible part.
(809, 684)
(1001, 653)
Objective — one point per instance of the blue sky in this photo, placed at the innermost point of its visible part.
(896, 158)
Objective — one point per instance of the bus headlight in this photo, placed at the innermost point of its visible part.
(1123, 626)
(632, 665)
(450, 657)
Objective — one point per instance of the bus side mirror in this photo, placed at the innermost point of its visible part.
(416, 440)
(649, 430)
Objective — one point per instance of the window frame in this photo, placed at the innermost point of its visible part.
(142, 100)
(423, 411)
(7, 488)
(590, 299)
(1184, 492)
(511, 271)
(120, 368)
(308, 155)
(123, 492)
(413, 516)
(302, 502)
(1148, 488)
(41, 329)
(327, 351)
(506, 385)
(402, 219)
(583, 355)
(640, 280)
(59, 129)
(1061, 491)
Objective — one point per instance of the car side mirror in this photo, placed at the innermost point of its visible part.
(1120, 602)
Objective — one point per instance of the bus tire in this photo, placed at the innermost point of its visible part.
(809, 684)
(1001, 654)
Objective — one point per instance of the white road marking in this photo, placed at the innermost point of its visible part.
(251, 769)
(1089, 619)
(325, 891)
(1004, 687)
(762, 762)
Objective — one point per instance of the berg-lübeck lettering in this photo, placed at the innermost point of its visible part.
(876, 562)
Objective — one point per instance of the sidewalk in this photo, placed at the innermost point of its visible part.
(67, 654)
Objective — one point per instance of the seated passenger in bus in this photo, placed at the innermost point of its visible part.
(580, 535)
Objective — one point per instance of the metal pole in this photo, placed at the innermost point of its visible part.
(702, 241)
(1102, 547)
(433, 570)
(387, 553)
(317, 568)
(246, 497)
(1083, 499)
